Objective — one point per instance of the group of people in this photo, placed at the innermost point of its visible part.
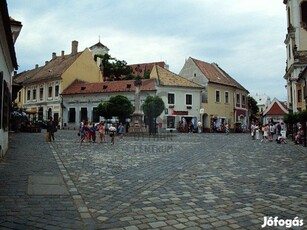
(88, 131)
(268, 131)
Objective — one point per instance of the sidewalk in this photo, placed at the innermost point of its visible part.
(32, 191)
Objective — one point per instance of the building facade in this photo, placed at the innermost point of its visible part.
(81, 99)
(9, 31)
(223, 99)
(43, 85)
(296, 45)
(275, 112)
(181, 98)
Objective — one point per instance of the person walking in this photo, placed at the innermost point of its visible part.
(51, 129)
(121, 130)
(112, 131)
(265, 133)
(101, 131)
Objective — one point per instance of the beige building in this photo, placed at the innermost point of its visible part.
(42, 86)
(296, 45)
(224, 100)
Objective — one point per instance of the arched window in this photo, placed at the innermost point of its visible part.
(304, 14)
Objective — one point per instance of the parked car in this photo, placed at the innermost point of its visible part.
(41, 123)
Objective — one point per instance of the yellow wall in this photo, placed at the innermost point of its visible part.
(221, 109)
(84, 68)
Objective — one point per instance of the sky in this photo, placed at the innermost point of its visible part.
(244, 37)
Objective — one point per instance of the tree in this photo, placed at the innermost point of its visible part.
(117, 106)
(112, 68)
(252, 103)
(153, 106)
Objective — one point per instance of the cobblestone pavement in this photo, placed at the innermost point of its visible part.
(183, 181)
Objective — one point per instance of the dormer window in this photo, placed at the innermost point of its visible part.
(128, 86)
(83, 87)
(104, 86)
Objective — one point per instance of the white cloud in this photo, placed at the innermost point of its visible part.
(244, 37)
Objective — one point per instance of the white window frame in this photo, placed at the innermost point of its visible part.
(185, 97)
(174, 98)
(219, 101)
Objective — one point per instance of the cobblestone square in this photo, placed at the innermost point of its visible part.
(178, 181)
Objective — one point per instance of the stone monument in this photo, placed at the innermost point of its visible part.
(137, 124)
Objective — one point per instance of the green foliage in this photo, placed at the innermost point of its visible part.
(113, 68)
(291, 118)
(118, 106)
(252, 103)
(153, 106)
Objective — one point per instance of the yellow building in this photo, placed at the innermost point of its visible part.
(42, 86)
(224, 100)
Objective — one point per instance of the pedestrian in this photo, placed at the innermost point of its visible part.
(101, 131)
(227, 128)
(112, 131)
(93, 132)
(265, 133)
(82, 133)
(257, 134)
(253, 130)
(121, 130)
(51, 129)
(272, 131)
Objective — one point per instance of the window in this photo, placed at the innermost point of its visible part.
(41, 94)
(188, 99)
(299, 95)
(238, 101)
(204, 97)
(50, 91)
(28, 95)
(170, 122)
(171, 98)
(57, 90)
(34, 94)
(95, 115)
(304, 15)
(19, 96)
(243, 100)
(72, 115)
(217, 96)
(227, 97)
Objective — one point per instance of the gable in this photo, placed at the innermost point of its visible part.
(168, 78)
(275, 108)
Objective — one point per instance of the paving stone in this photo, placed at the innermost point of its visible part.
(208, 181)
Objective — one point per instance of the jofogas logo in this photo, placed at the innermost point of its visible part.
(269, 221)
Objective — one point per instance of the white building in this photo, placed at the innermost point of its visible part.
(263, 101)
(296, 45)
(8, 63)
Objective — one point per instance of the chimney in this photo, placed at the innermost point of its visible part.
(36, 66)
(46, 62)
(62, 53)
(74, 47)
(53, 55)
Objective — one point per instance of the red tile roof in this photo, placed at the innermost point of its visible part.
(215, 74)
(144, 67)
(81, 87)
(276, 108)
(52, 70)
